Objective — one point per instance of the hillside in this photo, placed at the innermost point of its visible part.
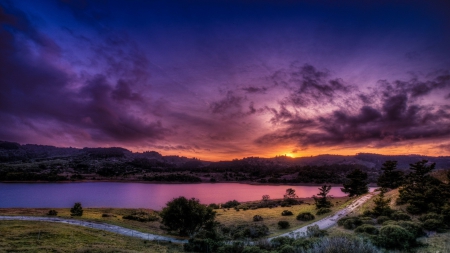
(31, 162)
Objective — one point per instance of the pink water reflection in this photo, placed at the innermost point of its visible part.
(139, 195)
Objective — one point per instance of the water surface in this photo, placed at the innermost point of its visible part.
(138, 195)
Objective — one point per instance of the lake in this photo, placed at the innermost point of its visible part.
(138, 195)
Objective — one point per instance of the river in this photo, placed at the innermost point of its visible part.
(138, 195)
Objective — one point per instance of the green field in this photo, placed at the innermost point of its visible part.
(29, 236)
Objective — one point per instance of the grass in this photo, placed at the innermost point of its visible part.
(227, 217)
(271, 216)
(29, 236)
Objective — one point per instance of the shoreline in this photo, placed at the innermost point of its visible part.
(168, 182)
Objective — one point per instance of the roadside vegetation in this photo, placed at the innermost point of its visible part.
(28, 236)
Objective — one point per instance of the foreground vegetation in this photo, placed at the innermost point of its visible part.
(28, 236)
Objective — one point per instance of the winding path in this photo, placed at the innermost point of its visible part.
(324, 223)
(101, 226)
(331, 220)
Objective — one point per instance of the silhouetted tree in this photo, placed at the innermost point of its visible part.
(391, 178)
(186, 216)
(290, 194)
(356, 183)
(322, 199)
(423, 192)
(382, 204)
(265, 197)
(76, 210)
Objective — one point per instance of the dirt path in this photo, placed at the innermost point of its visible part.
(331, 220)
(324, 223)
(95, 225)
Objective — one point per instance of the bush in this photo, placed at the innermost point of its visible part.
(395, 237)
(213, 206)
(52, 212)
(315, 231)
(142, 216)
(246, 231)
(368, 220)
(106, 215)
(280, 241)
(76, 210)
(230, 204)
(414, 227)
(305, 216)
(186, 216)
(257, 218)
(323, 211)
(428, 216)
(282, 224)
(382, 219)
(342, 245)
(252, 249)
(286, 249)
(432, 224)
(366, 228)
(286, 213)
(400, 216)
(350, 222)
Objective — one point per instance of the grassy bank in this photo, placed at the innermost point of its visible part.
(28, 236)
(227, 217)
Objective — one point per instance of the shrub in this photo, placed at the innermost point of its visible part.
(257, 218)
(231, 204)
(350, 222)
(400, 216)
(343, 245)
(323, 211)
(368, 213)
(286, 213)
(213, 206)
(366, 228)
(186, 216)
(368, 220)
(253, 249)
(395, 237)
(432, 224)
(286, 249)
(414, 227)
(382, 219)
(428, 216)
(282, 224)
(76, 210)
(315, 231)
(280, 241)
(305, 216)
(106, 215)
(201, 245)
(52, 212)
(142, 216)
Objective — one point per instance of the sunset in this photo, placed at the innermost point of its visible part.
(225, 126)
(227, 79)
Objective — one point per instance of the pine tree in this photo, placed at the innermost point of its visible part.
(322, 201)
(391, 178)
(382, 204)
(356, 183)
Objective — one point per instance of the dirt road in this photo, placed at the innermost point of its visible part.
(95, 225)
(331, 220)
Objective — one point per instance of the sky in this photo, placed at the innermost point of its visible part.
(219, 80)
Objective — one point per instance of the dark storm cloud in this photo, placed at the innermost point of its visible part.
(33, 88)
(308, 85)
(230, 103)
(252, 89)
(389, 116)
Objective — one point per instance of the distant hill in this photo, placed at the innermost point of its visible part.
(38, 162)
